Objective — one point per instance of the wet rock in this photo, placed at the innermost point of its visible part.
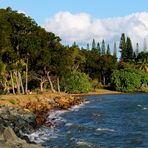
(10, 140)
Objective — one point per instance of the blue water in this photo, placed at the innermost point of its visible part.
(106, 121)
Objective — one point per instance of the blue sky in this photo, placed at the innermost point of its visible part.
(41, 9)
(83, 20)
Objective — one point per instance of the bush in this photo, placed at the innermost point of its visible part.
(129, 80)
(76, 82)
(96, 84)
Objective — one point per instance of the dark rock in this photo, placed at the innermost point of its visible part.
(17, 119)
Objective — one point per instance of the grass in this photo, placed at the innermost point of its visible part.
(12, 101)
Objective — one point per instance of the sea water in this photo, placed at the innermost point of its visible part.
(105, 121)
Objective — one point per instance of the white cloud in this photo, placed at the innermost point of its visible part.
(82, 27)
(23, 12)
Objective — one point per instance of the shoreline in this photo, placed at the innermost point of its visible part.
(27, 112)
(35, 108)
(98, 92)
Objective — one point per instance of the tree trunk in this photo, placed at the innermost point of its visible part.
(41, 86)
(26, 85)
(50, 82)
(12, 82)
(17, 82)
(103, 79)
(6, 87)
(21, 83)
(58, 84)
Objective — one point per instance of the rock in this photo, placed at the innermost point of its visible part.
(10, 140)
(10, 136)
(17, 119)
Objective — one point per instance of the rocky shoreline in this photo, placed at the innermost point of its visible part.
(27, 114)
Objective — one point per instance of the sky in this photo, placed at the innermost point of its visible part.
(83, 20)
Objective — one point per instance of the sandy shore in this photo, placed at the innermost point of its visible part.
(98, 92)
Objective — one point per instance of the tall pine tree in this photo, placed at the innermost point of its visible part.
(129, 49)
(93, 44)
(145, 45)
(122, 46)
(98, 48)
(108, 50)
(137, 49)
(103, 47)
(115, 50)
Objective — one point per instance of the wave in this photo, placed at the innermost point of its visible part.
(142, 107)
(105, 129)
(84, 144)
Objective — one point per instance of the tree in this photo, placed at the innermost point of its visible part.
(88, 47)
(122, 46)
(137, 49)
(142, 61)
(129, 80)
(103, 47)
(145, 45)
(129, 49)
(98, 48)
(108, 50)
(115, 50)
(76, 82)
(93, 44)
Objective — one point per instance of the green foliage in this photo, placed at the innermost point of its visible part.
(129, 49)
(96, 84)
(30, 53)
(76, 82)
(129, 80)
(122, 46)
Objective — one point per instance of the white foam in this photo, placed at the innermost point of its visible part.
(144, 108)
(42, 134)
(105, 129)
(84, 143)
(139, 105)
(68, 124)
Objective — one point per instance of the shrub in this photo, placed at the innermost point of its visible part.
(96, 84)
(76, 82)
(129, 80)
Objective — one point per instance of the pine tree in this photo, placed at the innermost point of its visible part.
(137, 49)
(145, 45)
(93, 44)
(122, 46)
(98, 48)
(88, 48)
(115, 50)
(108, 50)
(129, 49)
(103, 47)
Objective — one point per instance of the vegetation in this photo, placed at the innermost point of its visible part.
(129, 80)
(32, 58)
(76, 82)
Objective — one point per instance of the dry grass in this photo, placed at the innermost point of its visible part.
(22, 100)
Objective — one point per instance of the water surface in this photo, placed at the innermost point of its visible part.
(106, 121)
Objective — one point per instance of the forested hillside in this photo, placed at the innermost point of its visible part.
(33, 59)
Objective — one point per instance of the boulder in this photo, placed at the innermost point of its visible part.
(17, 119)
(10, 140)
